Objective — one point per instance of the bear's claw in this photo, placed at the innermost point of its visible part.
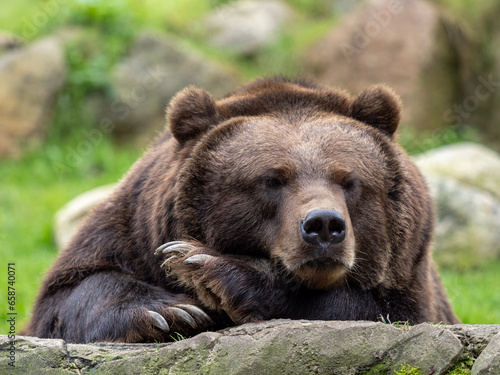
(200, 316)
(191, 315)
(159, 250)
(159, 321)
(183, 316)
(174, 248)
(198, 259)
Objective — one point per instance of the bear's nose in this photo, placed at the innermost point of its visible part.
(323, 227)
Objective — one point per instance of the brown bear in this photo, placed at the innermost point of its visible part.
(285, 199)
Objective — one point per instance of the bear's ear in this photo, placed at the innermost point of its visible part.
(378, 106)
(191, 113)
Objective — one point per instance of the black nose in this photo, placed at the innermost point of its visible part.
(323, 227)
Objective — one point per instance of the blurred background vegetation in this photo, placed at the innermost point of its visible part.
(33, 189)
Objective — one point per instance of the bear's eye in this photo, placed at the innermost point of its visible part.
(274, 183)
(348, 184)
(349, 181)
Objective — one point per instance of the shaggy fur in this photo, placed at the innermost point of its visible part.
(234, 179)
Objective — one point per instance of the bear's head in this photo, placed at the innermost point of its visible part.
(302, 174)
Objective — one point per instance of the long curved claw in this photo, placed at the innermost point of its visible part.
(198, 314)
(198, 259)
(159, 321)
(184, 316)
(174, 248)
(159, 250)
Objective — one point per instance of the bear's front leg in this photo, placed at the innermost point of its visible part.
(112, 306)
(247, 288)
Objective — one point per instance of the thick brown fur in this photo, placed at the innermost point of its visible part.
(234, 178)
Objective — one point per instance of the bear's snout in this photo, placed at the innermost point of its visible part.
(323, 227)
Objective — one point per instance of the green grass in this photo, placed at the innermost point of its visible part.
(415, 143)
(474, 294)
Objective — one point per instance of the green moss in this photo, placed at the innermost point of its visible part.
(458, 371)
(462, 368)
(380, 369)
(384, 369)
(408, 370)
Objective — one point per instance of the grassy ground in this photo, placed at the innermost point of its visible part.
(475, 294)
(35, 186)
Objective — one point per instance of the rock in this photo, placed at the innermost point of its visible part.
(465, 183)
(247, 26)
(408, 44)
(156, 68)
(489, 360)
(474, 338)
(31, 78)
(278, 346)
(69, 218)
(466, 233)
(470, 163)
(33, 353)
(54, 356)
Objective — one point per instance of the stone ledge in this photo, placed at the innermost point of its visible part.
(274, 347)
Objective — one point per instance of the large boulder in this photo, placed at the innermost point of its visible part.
(467, 231)
(408, 44)
(247, 26)
(489, 360)
(273, 347)
(31, 78)
(472, 164)
(156, 68)
(465, 183)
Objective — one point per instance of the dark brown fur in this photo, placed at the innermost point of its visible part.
(234, 180)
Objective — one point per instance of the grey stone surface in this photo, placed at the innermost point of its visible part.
(465, 183)
(474, 338)
(287, 347)
(489, 360)
(470, 163)
(30, 79)
(53, 356)
(467, 232)
(405, 44)
(273, 347)
(247, 26)
(156, 68)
